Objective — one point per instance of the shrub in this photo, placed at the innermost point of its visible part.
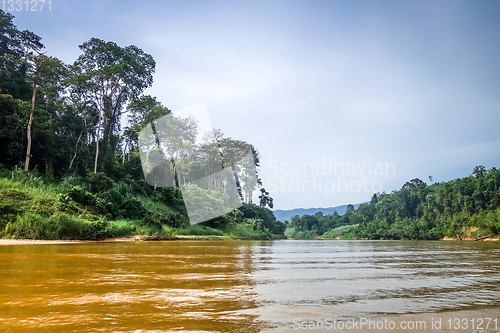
(199, 230)
(80, 195)
(109, 202)
(174, 220)
(120, 228)
(60, 226)
(8, 213)
(350, 235)
(95, 230)
(30, 178)
(340, 231)
(99, 182)
(249, 229)
(133, 209)
(148, 229)
(290, 232)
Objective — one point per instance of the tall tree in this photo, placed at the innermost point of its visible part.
(142, 111)
(15, 46)
(110, 76)
(47, 74)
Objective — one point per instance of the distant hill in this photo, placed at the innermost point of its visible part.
(284, 215)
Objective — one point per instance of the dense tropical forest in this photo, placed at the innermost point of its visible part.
(462, 208)
(69, 170)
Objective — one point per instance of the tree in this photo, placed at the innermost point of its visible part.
(12, 70)
(265, 199)
(142, 111)
(110, 76)
(479, 171)
(47, 74)
(240, 157)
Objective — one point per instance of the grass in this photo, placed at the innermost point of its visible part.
(121, 228)
(246, 231)
(156, 207)
(344, 232)
(199, 230)
(59, 226)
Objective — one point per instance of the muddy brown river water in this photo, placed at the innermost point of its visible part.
(251, 286)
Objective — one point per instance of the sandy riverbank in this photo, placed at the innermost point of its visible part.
(58, 241)
(489, 239)
(123, 239)
(143, 238)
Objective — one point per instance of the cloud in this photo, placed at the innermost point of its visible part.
(410, 83)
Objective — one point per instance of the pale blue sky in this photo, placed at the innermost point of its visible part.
(414, 84)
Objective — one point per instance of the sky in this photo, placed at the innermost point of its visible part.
(341, 98)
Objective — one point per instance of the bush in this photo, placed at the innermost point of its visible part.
(199, 230)
(174, 220)
(69, 182)
(133, 209)
(340, 231)
(80, 195)
(120, 228)
(250, 229)
(99, 182)
(30, 178)
(148, 229)
(109, 202)
(95, 230)
(8, 213)
(350, 235)
(60, 226)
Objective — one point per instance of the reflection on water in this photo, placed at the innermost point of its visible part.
(343, 280)
(239, 286)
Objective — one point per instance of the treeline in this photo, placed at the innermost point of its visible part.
(69, 170)
(464, 207)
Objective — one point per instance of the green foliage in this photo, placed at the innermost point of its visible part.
(249, 229)
(133, 208)
(81, 196)
(27, 178)
(199, 230)
(95, 230)
(416, 211)
(11, 134)
(268, 220)
(99, 182)
(120, 228)
(339, 231)
(60, 226)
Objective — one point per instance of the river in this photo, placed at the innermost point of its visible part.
(250, 286)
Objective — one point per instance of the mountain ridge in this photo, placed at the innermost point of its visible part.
(285, 214)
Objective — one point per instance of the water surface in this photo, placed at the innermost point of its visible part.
(242, 286)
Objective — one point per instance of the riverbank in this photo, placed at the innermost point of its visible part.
(488, 239)
(118, 239)
(171, 238)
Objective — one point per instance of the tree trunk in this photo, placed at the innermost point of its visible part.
(49, 168)
(105, 147)
(76, 150)
(97, 141)
(28, 149)
(124, 150)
